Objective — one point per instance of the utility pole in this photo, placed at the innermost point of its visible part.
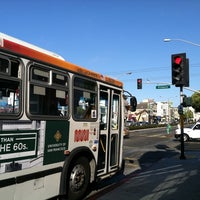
(182, 156)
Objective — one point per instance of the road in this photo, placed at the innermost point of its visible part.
(144, 147)
(142, 150)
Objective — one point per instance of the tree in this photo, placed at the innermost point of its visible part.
(188, 114)
(196, 101)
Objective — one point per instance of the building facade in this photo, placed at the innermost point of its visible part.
(149, 111)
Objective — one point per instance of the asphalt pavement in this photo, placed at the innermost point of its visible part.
(170, 178)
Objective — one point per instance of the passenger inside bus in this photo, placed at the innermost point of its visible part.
(59, 106)
(85, 109)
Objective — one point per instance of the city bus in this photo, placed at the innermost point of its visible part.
(61, 125)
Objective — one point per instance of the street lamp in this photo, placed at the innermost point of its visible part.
(181, 40)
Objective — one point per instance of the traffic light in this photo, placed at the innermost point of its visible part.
(133, 103)
(139, 83)
(180, 70)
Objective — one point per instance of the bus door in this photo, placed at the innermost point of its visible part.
(109, 138)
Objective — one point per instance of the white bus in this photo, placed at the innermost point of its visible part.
(61, 125)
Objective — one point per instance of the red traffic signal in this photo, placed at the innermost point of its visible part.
(180, 70)
(139, 83)
(178, 60)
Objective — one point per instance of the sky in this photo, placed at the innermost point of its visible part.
(119, 38)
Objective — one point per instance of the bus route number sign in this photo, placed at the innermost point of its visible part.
(15, 146)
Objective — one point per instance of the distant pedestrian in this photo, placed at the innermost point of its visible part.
(168, 128)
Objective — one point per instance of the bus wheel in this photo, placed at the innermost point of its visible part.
(78, 178)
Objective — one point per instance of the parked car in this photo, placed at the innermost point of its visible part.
(189, 133)
(129, 123)
(143, 123)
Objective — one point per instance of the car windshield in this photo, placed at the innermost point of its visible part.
(195, 126)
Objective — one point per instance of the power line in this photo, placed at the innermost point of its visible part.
(147, 69)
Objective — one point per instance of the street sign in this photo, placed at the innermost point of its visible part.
(162, 86)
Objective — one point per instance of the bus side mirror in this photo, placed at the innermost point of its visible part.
(133, 103)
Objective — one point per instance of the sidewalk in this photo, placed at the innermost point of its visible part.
(168, 179)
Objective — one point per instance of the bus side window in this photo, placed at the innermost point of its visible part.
(9, 96)
(115, 112)
(4, 65)
(84, 105)
(10, 86)
(84, 99)
(103, 110)
(48, 101)
(48, 92)
(63, 105)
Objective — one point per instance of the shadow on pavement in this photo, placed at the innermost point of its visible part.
(163, 176)
(169, 179)
(145, 162)
(150, 157)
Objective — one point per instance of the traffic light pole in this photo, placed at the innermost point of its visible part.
(182, 156)
(180, 78)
